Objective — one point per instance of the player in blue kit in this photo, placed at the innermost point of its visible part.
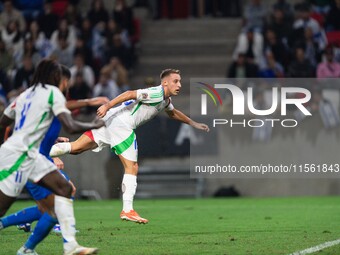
(44, 211)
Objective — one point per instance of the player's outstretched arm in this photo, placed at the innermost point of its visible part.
(180, 116)
(4, 123)
(73, 126)
(127, 95)
(76, 104)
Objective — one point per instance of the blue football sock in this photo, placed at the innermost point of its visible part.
(41, 230)
(26, 215)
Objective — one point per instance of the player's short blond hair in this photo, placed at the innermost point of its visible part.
(167, 72)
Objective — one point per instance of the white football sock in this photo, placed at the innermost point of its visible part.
(129, 186)
(60, 149)
(63, 208)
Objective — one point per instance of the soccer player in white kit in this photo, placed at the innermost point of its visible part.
(137, 107)
(20, 160)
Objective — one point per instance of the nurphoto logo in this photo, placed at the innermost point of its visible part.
(280, 97)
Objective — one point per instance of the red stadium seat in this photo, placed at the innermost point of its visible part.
(135, 38)
(59, 7)
(319, 18)
(333, 37)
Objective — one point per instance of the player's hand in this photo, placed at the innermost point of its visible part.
(101, 112)
(59, 163)
(201, 126)
(62, 140)
(98, 101)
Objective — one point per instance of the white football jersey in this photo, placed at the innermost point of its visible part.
(133, 113)
(33, 111)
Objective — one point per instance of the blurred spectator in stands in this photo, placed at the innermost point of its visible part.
(3, 91)
(312, 50)
(86, 33)
(333, 17)
(72, 16)
(23, 77)
(123, 16)
(106, 87)
(11, 14)
(79, 66)
(63, 53)
(255, 15)
(329, 68)
(301, 67)
(242, 69)
(304, 20)
(48, 21)
(99, 45)
(270, 68)
(286, 9)
(31, 51)
(251, 44)
(281, 25)
(118, 74)
(41, 43)
(31, 9)
(35, 34)
(24, 74)
(79, 89)
(117, 49)
(276, 47)
(5, 83)
(81, 49)
(13, 40)
(320, 6)
(113, 28)
(3, 99)
(6, 59)
(67, 31)
(97, 13)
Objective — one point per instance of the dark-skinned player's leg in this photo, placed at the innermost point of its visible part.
(63, 206)
(5, 203)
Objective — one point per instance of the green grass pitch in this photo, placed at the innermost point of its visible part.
(242, 226)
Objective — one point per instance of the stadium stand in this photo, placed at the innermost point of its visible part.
(123, 42)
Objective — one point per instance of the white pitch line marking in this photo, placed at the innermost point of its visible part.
(317, 248)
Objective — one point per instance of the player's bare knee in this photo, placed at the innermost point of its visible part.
(135, 168)
(132, 169)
